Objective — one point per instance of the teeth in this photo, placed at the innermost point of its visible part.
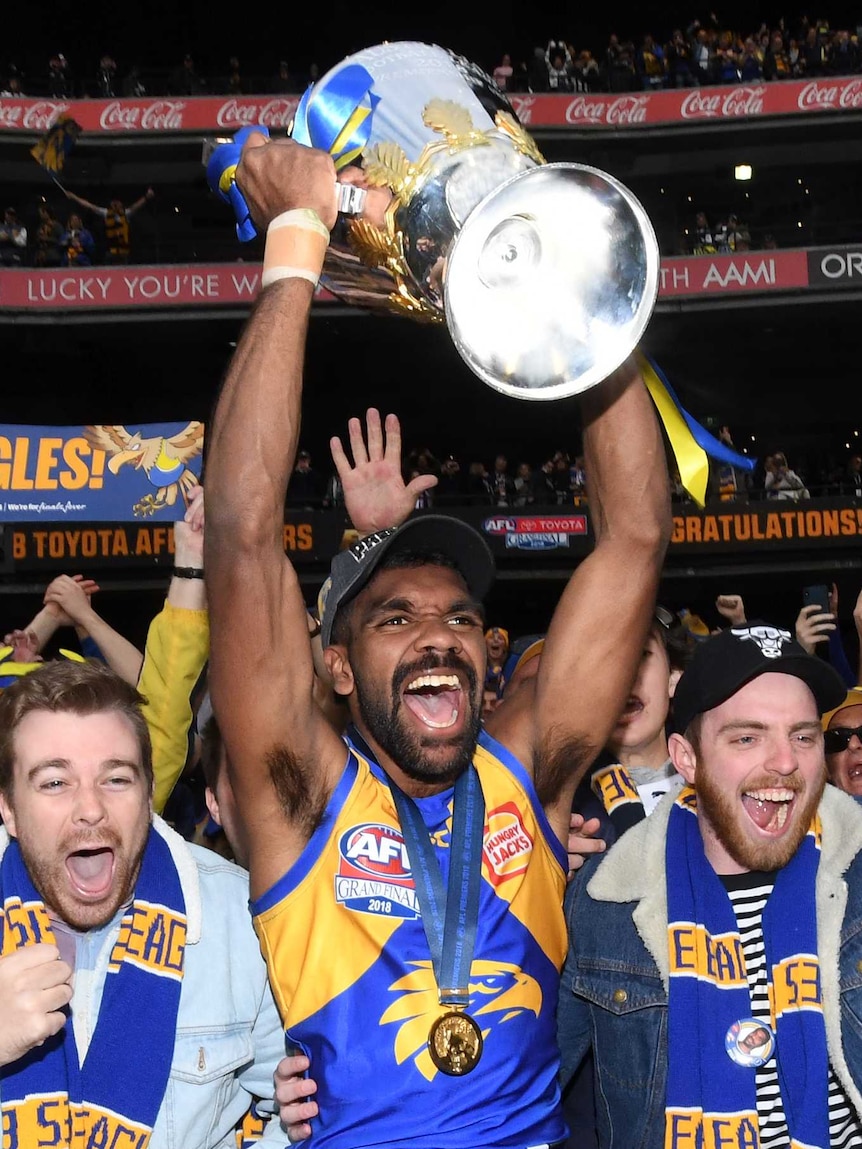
(435, 680)
(771, 795)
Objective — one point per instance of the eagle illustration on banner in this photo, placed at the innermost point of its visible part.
(163, 460)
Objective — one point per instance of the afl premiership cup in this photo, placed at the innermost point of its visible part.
(545, 274)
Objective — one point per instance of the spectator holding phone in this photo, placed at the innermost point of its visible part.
(817, 623)
(782, 483)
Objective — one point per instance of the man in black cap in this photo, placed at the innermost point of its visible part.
(407, 881)
(732, 910)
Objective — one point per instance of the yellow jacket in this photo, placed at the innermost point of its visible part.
(178, 643)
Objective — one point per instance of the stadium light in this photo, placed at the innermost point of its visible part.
(742, 172)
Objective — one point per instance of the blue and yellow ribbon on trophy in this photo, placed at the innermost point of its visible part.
(334, 115)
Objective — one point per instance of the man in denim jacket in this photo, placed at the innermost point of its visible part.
(75, 798)
(751, 750)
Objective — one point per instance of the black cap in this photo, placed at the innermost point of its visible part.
(351, 569)
(727, 661)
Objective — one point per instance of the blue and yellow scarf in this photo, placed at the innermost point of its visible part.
(711, 1101)
(615, 789)
(114, 1098)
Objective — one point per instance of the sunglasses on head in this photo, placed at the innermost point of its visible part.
(838, 738)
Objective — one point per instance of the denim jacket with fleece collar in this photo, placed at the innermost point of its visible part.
(614, 985)
(229, 1035)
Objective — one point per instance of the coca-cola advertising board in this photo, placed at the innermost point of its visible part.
(575, 110)
(690, 106)
(167, 115)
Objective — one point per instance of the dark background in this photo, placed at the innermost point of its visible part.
(160, 32)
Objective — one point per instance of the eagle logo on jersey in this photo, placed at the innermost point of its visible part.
(498, 992)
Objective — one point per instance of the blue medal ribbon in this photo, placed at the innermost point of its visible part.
(450, 915)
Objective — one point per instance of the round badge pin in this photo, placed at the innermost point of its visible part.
(749, 1042)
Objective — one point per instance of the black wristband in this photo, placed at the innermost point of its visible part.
(189, 572)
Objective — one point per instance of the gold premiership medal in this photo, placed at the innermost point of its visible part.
(455, 1043)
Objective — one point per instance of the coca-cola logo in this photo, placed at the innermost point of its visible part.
(10, 114)
(276, 113)
(586, 110)
(157, 116)
(628, 110)
(523, 107)
(820, 94)
(740, 101)
(163, 116)
(41, 114)
(743, 102)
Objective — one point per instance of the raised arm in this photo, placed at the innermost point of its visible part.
(122, 656)
(595, 639)
(42, 627)
(283, 756)
(857, 622)
(140, 201)
(176, 655)
(83, 202)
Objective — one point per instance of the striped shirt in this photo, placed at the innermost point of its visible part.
(748, 895)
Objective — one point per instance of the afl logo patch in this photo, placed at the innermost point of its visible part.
(374, 872)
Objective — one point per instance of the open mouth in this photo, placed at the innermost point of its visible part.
(435, 699)
(633, 707)
(769, 809)
(91, 872)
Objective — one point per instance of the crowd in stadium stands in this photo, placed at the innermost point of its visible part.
(729, 235)
(109, 81)
(560, 479)
(56, 238)
(700, 53)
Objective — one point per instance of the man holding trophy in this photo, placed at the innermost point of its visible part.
(407, 879)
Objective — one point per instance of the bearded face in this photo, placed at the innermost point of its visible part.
(759, 773)
(79, 808)
(417, 667)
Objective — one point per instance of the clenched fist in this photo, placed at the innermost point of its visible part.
(34, 987)
(278, 175)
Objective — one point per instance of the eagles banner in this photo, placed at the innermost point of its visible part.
(98, 473)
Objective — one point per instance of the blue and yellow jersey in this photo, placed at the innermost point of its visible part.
(351, 970)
